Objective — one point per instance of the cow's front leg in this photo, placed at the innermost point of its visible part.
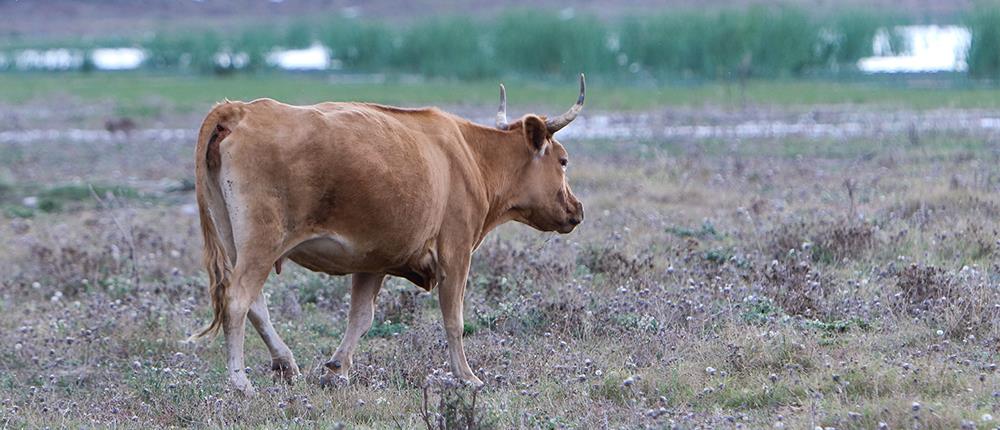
(282, 361)
(364, 290)
(451, 293)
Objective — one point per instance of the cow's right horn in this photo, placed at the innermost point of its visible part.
(557, 123)
(502, 111)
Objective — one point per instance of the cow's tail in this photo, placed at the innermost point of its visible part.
(216, 127)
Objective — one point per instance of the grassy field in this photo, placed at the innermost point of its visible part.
(144, 94)
(735, 283)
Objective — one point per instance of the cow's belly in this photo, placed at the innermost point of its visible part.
(337, 255)
(332, 254)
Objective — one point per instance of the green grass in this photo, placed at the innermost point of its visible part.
(145, 94)
(57, 198)
(194, 92)
(984, 55)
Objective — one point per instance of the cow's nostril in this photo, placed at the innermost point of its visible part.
(575, 221)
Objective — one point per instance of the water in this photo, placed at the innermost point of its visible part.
(117, 58)
(315, 57)
(806, 126)
(48, 59)
(646, 126)
(928, 48)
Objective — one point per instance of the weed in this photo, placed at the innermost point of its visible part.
(386, 329)
(706, 231)
(456, 407)
(613, 262)
(984, 53)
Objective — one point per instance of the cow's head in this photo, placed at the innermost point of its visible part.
(542, 197)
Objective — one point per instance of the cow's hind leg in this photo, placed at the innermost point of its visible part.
(364, 290)
(248, 280)
(282, 361)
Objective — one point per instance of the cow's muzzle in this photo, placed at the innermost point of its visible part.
(574, 219)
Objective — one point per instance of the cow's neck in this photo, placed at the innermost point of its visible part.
(498, 157)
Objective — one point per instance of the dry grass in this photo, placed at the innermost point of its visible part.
(704, 290)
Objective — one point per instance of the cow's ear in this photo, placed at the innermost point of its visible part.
(536, 133)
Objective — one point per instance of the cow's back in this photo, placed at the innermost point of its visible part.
(354, 187)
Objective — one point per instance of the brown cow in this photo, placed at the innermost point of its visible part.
(368, 190)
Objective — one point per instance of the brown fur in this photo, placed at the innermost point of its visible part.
(347, 188)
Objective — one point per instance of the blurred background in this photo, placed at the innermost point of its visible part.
(632, 43)
(626, 41)
(159, 64)
(792, 213)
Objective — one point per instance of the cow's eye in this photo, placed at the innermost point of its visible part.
(563, 162)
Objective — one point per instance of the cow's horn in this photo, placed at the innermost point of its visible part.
(502, 112)
(557, 123)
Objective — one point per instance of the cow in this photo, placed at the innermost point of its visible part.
(367, 190)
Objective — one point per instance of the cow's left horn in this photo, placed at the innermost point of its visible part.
(502, 111)
(557, 123)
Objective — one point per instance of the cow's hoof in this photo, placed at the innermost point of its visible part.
(244, 387)
(333, 380)
(335, 365)
(336, 373)
(284, 369)
(473, 381)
